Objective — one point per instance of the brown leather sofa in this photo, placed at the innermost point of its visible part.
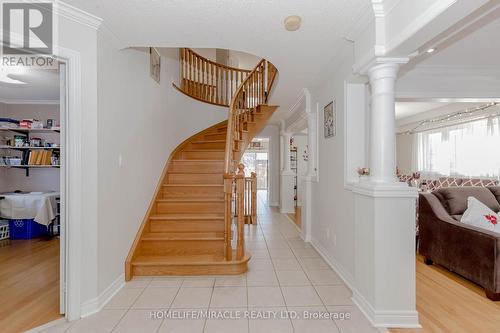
(472, 252)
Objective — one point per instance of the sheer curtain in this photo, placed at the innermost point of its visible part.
(470, 150)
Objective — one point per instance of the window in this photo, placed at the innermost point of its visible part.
(470, 150)
(257, 162)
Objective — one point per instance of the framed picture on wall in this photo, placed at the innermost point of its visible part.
(154, 64)
(330, 121)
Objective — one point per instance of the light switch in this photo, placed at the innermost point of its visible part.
(120, 161)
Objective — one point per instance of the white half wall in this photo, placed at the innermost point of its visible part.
(140, 123)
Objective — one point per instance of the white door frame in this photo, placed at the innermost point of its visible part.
(71, 183)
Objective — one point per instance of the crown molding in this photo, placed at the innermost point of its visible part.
(77, 15)
(29, 101)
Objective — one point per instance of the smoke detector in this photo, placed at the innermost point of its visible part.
(292, 23)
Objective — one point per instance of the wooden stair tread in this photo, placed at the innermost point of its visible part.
(182, 236)
(194, 185)
(197, 216)
(197, 161)
(193, 199)
(209, 141)
(206, 150)
(201, 259)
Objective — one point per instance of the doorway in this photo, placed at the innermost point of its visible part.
(256, 159)
(32, 197)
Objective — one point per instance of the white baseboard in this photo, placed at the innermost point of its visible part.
(379, 319)
(96, 304)
(284, 211)
(334, 264)
(388, 319)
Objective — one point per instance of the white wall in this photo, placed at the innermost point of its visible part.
(272, 132)
(80, 39)
(404, 153)
(332, 205)
(242, 60)
(208, 53)
(142, 122)
(39, 179)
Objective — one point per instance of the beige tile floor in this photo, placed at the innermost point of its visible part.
(287, 280)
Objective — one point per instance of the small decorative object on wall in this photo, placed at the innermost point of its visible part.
(154, 64)
(363, 173)
(329, 119)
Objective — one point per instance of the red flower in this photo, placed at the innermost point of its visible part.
(492, 219)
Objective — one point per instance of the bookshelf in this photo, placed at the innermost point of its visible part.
(33, 157)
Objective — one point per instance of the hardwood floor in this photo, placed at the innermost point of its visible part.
(296, 217)
(448, 303)
(29, 283)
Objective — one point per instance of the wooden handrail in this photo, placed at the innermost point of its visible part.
(208, 81)
(254, 91)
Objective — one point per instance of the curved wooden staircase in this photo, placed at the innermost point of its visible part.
(194, 225)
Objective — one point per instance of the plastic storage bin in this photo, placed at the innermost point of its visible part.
(26, 229)
(4, 229)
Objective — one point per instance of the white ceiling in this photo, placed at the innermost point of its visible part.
(409, 112)
(304, 58)
(41, 86)
(478, 46)
(408, 109)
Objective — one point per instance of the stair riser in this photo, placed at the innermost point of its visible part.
(182, 247)
(197, 167)
(249, 126)
(193, 192)
(193, 178)
(187, 226)
(201, 155)
(189, 207)
(215, 136)
(208, 145)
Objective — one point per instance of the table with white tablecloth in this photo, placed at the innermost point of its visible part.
(40, 206)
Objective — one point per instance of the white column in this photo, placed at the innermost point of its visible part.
(384, 218)
(311, 144)
(287, 176)
(286, 152)
(383, 122)
(311, 176)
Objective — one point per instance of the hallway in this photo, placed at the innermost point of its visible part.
(285, 274)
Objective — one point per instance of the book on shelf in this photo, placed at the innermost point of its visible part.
(39, 157)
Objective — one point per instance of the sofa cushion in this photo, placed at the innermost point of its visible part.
(496, 191)
(454, 199)
(479, 215)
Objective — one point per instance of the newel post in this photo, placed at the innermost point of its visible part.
(228, 216)
(240, 211)
(254, 198)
